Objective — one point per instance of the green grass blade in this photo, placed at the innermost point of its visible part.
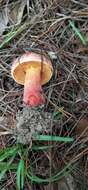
(11, 35)
(64, 172)
(3, 166)
(20, 175)
(2, 174)
(7, 168)
(53, 138)
(7, 153)
(36, 148)
(78, 33)
(2, 151)
(57, 115)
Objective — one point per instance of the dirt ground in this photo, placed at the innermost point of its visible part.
(59, 30)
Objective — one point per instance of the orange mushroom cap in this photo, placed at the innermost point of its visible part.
(21, 64)
(32, 70)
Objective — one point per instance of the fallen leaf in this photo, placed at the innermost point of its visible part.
(3, 20)
(82, 127)
(82, 49)
(16, 12)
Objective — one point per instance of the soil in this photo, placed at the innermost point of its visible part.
(31, 121)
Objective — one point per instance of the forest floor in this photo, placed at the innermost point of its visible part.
(58, 29)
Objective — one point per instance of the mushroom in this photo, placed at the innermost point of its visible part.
(32, 70)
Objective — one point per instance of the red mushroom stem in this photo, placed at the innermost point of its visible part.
(33, 93)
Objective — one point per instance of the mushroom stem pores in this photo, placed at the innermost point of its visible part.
(33, 93)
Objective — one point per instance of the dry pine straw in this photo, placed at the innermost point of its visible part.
(48, 30)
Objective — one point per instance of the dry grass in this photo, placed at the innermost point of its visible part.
(46, 30)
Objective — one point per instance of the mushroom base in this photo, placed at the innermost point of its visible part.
(33, 97)
(31, 121)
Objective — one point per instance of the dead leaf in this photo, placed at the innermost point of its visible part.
(82, 127)
(3, 20)
(82, 50)
(16, 12)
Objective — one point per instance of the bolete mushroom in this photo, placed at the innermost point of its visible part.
(32, 70)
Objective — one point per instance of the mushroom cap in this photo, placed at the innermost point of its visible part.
(31, 59)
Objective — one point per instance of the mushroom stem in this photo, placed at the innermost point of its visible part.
(33, 94)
